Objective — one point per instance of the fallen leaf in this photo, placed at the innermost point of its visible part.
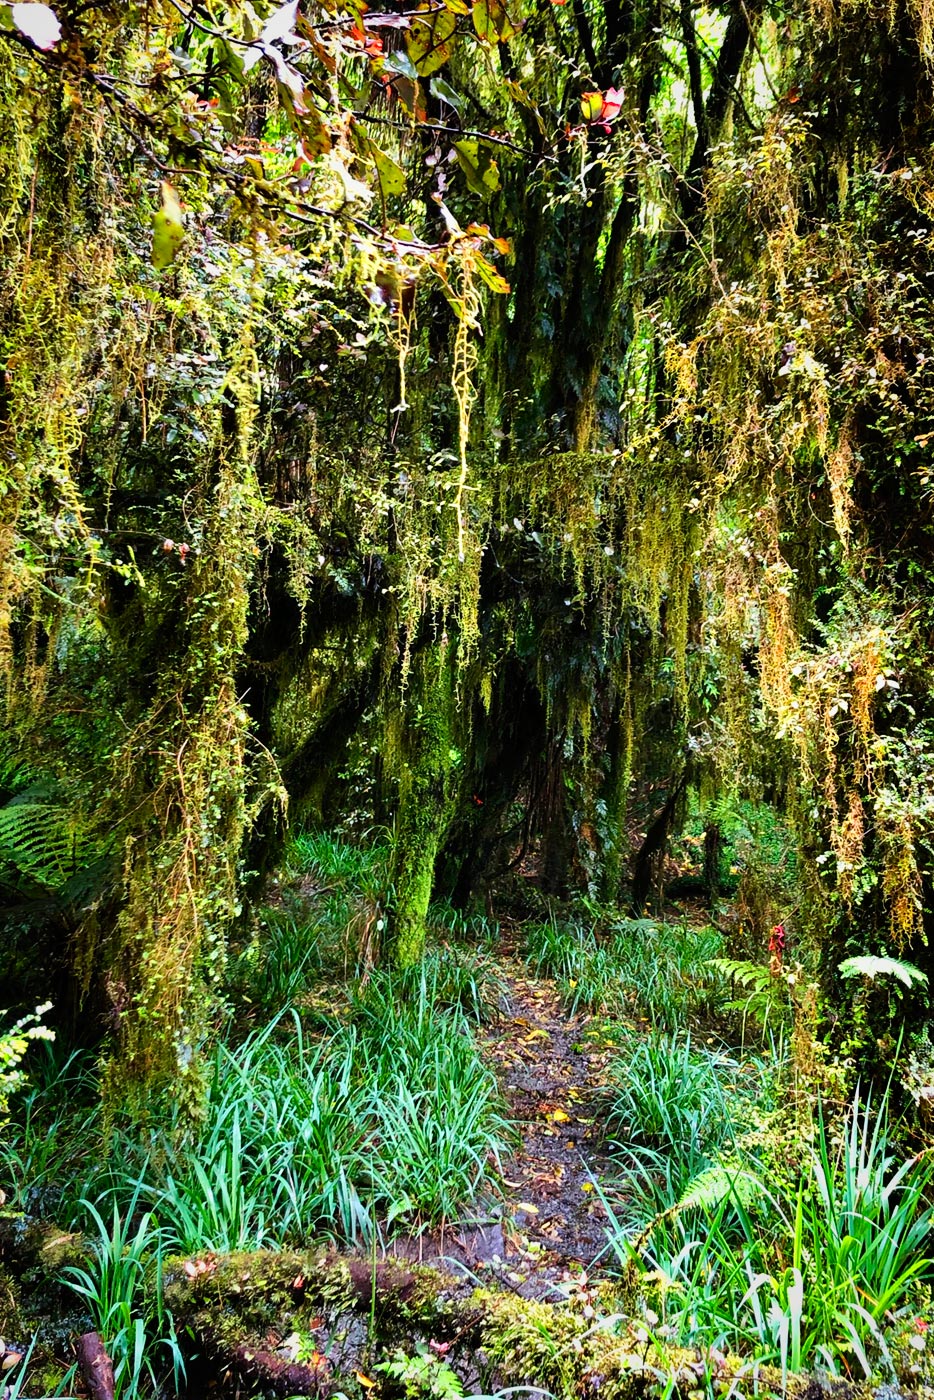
(527, 1207)
(364, 1380)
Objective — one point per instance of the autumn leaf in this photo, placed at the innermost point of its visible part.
(430, 42)
(316, 139)
(613, 100)
(168, 229)
(488, 273)
(492, 23)
(592, 106)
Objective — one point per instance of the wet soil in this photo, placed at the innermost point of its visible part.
(551, 1067)
(551, 1226)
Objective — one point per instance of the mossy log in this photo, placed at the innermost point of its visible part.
(34, 1300)
(254, 1314)
(311, 1322)
(301, 1323)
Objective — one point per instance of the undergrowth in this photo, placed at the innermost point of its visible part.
(660, 970)
(384, 1119)
(799, 1267)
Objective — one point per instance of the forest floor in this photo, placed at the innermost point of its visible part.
(549, 1228)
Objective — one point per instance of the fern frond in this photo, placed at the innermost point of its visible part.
(44, 842)
(748, 974)
(872, 967)
(712, 1187)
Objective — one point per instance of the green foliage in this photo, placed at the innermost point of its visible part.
(799, 1270)
(662, 970)
(42, 844)
(14, 1044)
(384, 1119)
(384, 1123)
(353, 900)
(462, 926)
(447, 978)
(52, 1152)
(421, 1374)
(762, 996)
(626, 543)
(278, 966)
(667, 1095)
(353, 865)
(671, 1109)
(123, 1292)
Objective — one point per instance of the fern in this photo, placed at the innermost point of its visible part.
(43, 843)
(716, 1184)
(748, 974)
(872, 967)
(765, 994)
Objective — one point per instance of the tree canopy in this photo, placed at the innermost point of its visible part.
(496, 421)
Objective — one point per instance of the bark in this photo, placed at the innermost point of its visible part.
(713, 848)
(428, 787)
(95, 1366)
(653, 847)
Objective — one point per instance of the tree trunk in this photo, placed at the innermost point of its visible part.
(427, 786)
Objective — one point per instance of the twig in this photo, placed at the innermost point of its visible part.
(447, 131)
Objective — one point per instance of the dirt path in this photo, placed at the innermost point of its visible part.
(551, 1224)
(551, 1067)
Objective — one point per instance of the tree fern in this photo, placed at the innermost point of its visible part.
(43, 843)
(873, 967)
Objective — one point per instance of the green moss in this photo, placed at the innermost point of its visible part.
(427, 776)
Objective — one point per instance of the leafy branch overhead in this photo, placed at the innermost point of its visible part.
(187, 106)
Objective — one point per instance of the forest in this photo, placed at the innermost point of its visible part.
(466, 699)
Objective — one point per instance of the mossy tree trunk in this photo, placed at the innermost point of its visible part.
(426, 762)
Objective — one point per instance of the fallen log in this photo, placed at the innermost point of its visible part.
(95, 1366)
(312, 1322)
(363, 1314)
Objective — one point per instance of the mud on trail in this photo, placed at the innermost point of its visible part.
(550, 1224)
(551, 1068)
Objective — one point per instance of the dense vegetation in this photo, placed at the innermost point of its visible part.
(497, 433)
